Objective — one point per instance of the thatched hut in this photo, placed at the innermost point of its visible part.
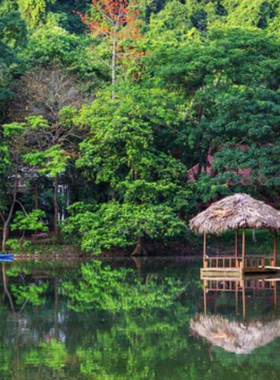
(239, 211)
(233, 336)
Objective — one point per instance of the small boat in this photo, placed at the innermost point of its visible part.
(6, 257)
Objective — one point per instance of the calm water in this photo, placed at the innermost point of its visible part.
(131, 320)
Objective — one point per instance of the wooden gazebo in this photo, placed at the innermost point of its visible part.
(237, 212)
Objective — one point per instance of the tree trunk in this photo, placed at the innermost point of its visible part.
(6, 222)
(6, 225)
(55, 206)
(6, 290)
(114, 61)
(36, 196)
(55, 280)
(5, 236)
(140, 248)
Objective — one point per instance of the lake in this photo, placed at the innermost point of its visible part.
(135, 319)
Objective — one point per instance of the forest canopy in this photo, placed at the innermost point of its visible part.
(119, 120)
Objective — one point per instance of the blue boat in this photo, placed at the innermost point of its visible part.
(6, 257)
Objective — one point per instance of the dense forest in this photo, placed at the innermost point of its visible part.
(121, 119)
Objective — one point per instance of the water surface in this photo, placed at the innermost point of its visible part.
(131, 320)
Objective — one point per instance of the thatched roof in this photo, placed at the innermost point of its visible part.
(236, 211)
(233, 336)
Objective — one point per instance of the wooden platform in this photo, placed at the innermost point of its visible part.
(206, 273)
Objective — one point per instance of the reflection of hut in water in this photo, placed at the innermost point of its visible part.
(233, 336)
(246, 287)
(236, 212)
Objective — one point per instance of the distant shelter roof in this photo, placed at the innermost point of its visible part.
(236, 211)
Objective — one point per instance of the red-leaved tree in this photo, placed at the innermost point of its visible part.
(118, 22)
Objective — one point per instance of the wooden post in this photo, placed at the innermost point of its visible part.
(243, 299)
(275, 249)
(243, 247)
(236, 297)
(204, 250)
(236, 248)
(205, 296)
(275, 295)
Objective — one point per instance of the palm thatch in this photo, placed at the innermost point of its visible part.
(236, 211)
(233, 336)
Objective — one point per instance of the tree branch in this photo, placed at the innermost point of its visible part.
(21, 205)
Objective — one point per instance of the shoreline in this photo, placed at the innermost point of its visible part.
(60, 257)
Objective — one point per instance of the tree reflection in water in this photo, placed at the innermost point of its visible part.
(97, 320)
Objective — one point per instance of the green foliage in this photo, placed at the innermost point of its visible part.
(30, 222)
(52, 161)
(4, 168)
(115, 225)
(34, 10)
(127, 143)
(127, 152)
(53, 44)
(101, 336)
(204, 95)
(230, 80)
(12, 129)
(29, 293)
(18, 246)
(104, 288)
(53, 355)
(12, 38)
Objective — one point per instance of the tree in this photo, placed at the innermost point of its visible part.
(230, 80)
(12, 39)
(53, 106)
(117, 22)
(14, 148)
(34, 10)
(115, 225)
(29, 222)
(128, 153)
(57, 89)
(50, 162)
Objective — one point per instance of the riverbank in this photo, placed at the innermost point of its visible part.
(51, 250)
(260, 243)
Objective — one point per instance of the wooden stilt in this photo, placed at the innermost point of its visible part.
(236, 248)
(243, 246)
(204, 250)
(275, 295)
(243, 299)
(205, 296)
(275, 249)
(236, 297)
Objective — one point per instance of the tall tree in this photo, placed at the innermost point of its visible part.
(13, 150)
(34, 10)
(54, 101)
(127, 154)
(118, 23)
(12, 39)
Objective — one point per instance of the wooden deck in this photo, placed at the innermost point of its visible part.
(234, 267)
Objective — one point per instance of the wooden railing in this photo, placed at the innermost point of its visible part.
(237, 285)
(222, 286)
(221, 262)
(258, 261)
(259, 285)
(233, 262)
